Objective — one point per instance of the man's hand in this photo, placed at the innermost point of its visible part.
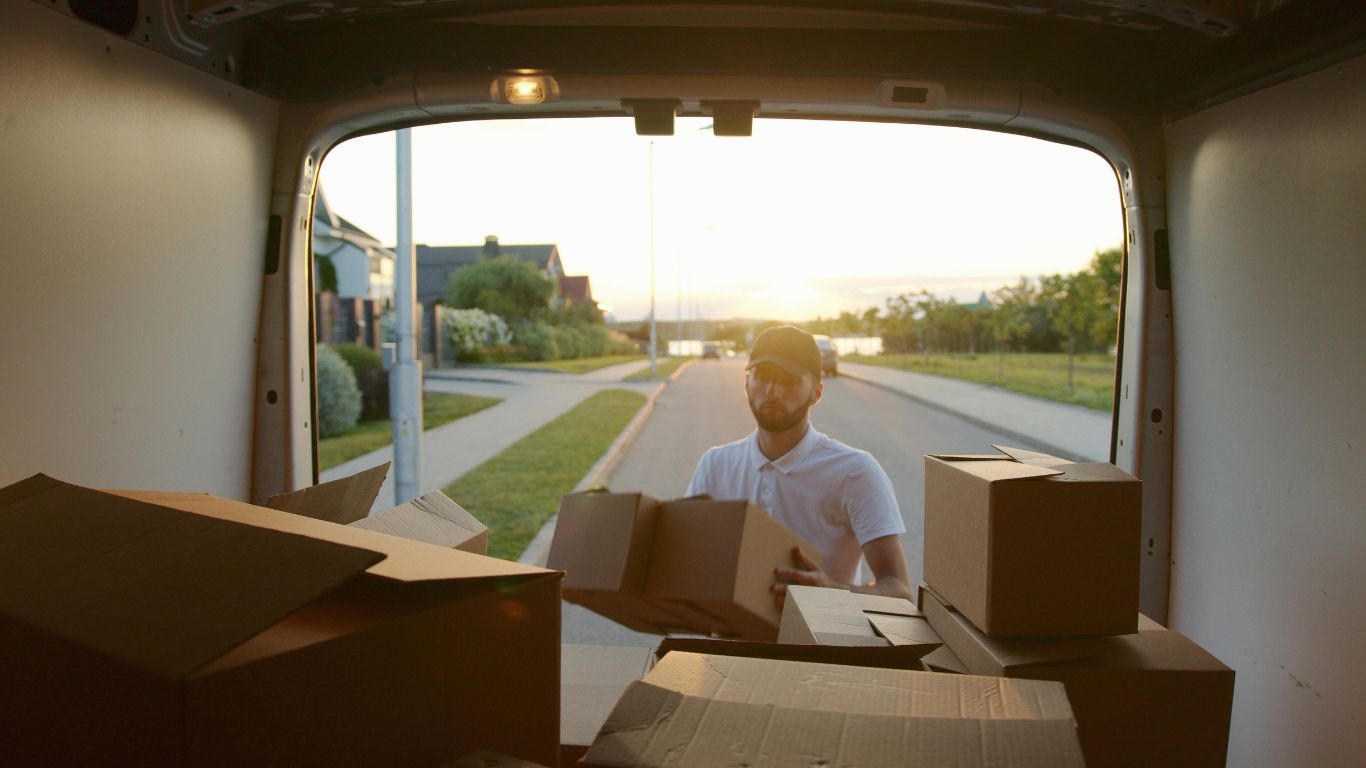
(806, 573)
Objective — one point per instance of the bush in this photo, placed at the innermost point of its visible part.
(538, 339)
(472, 330)
(361, 358)
(371, 378)
(339, 399)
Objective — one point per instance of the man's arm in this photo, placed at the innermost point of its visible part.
(885, 560)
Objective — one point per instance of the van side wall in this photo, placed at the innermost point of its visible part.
(134, 192)
(1268, 244)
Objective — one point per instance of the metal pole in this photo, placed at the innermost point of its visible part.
(405, 377)
(654, 336)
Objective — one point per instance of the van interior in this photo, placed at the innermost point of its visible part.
(160, 159)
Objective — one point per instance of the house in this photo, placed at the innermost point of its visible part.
(364, 267)
(574, 289)
(436, 263)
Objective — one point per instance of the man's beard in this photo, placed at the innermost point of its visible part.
(779, 423)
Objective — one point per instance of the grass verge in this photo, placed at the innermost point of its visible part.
(664, 366)
(437, 409)
(515, 492)
(1042, 374)
(577, 365)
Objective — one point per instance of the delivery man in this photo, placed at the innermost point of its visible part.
(836, 497)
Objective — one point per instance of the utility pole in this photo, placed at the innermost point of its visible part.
(654, 336)
(405, 377)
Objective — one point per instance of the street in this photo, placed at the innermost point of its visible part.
(706, 406)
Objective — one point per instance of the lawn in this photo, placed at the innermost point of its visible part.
(437, 409)
(664, 367)
(577, 365)
(1042, 374)
(515, 492)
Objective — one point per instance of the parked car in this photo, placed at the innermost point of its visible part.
(830, 357)
(711, 350)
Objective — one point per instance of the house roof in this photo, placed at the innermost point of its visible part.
(436, 263)
(575, 288)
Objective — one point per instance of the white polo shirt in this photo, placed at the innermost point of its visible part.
(836, 497)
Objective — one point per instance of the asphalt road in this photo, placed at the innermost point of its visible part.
(706, 406)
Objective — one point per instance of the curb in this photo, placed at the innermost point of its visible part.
(1061, 453)
(539, 547)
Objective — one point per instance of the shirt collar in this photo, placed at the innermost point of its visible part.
(788, 461)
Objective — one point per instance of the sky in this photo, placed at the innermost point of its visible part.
(802, 219)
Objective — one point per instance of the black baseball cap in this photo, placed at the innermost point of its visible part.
(789, 348)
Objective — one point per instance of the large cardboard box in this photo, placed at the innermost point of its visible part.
(838, 617)
(1004, 532)
(344, 500)
(701, 710)
(602, 542)
(147, 628)
(432, 518)
(713, 563)
(592, 679)
(1143, 699)
(692, 566)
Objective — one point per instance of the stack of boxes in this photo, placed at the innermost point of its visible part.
(1031, 571)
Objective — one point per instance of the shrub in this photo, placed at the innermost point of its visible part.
(338, 396)
(538, 339)
(362, 359)
(471, 330)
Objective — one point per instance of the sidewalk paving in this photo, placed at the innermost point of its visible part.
(1069, 431)
(531, 399)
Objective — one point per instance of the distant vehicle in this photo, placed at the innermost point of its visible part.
(711, 349)
(830, 357)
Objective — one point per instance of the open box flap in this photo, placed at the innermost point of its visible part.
(1033, 458)
(994, 471)
(155, 587)
(343, 501)
(406, 560)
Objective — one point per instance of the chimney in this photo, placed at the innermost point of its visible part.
(491, 249)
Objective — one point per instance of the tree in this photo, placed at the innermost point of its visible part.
(1107, 266)
(505, 286)
(1009, 319)
(1073, 304)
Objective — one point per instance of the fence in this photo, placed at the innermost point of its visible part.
(340, 320)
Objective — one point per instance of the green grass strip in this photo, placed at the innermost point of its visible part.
(1042, 374)
(577, 365)
(665, 366)
(515, 492)
(367, 436)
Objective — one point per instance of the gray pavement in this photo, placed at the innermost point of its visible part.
(531, 399)
(1069, 431)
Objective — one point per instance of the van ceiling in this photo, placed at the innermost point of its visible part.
(1150, 55)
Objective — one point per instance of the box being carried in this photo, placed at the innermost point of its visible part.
(692, 566)
(1148, 698)
(1027, 544)
(699, 711)
(149, 628)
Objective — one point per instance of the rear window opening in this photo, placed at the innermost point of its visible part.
(965, 282)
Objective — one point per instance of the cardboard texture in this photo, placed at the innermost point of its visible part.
(885, 657)
(1003, 532)
(154, 628)
(696, 566)
(432, 518)
(592, 678)
(1148, 698)
(486, 759)
(702, 710)
(343, 501)
(818, 616)
(602, 542)
(712, 564)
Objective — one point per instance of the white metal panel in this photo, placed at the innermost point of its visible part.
(134, 193)
(1267, 208)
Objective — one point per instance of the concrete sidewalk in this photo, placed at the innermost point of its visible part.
(1069, 431)
(531, 399)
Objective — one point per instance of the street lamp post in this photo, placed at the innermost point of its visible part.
(654, 337)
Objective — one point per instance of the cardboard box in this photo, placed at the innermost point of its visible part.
(1144, 699)
(592, 679)
(942, 659)
(1028, 544)
(818, 616)
(700, 710)
(602, 542)
(434, 519)
(151, 628)
(712, 565)
(343, 501)
(694, 566)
